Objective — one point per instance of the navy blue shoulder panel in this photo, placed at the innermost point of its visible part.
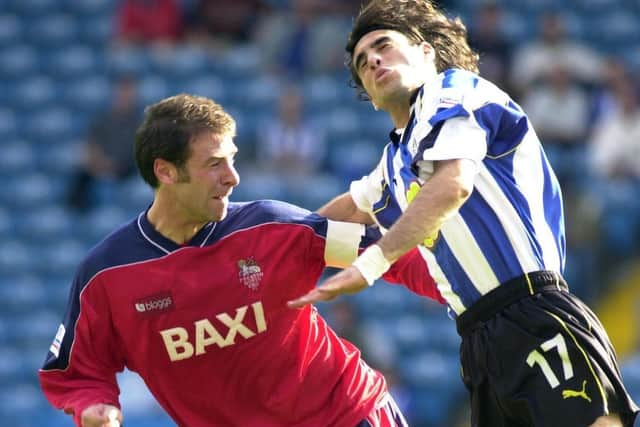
(123, 246)
(249, 214)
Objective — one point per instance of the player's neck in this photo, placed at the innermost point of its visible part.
(400, 116)
(399, 108)
(170, 221)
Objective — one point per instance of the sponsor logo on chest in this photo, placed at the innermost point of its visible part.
(181, 344)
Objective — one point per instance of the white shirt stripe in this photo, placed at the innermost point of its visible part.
(469, 255)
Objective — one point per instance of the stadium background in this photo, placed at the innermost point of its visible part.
(59, 60)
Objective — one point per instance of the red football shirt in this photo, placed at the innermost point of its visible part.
(207, 327)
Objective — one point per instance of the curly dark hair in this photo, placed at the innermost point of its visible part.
(418, 20)
(170, 125)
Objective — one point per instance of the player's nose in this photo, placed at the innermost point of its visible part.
(374, 60)
(231, 176)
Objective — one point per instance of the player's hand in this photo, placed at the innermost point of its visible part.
(101, 415)
(348, 281)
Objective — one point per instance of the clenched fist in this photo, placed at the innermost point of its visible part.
(101, 415)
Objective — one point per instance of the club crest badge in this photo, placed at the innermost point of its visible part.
(250, 273)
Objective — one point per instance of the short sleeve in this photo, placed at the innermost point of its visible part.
(460, 137)
(368, 189)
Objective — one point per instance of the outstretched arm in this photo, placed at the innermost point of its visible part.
(440, 197)
(343, 208)
(80, 370)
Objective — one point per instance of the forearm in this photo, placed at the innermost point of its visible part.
(74, 394)
(343, 208)
(73, 382)
(439, 198)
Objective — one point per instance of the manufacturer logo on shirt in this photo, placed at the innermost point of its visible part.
(57, 341)
(154, 304)
(250, 273)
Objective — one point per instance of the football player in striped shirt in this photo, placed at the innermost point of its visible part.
(465, 179)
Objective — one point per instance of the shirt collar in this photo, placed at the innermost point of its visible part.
(166, 245)
(395, 135)
(415, 94)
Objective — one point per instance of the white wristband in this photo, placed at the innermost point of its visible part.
(372, 264)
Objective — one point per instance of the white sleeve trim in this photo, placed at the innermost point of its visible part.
(358, 191)
(343, 240)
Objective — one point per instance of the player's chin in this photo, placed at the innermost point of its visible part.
(219, 209)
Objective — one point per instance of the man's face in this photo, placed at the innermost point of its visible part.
(390, 66)
(208, 178)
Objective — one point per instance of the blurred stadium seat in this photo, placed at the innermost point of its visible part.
(75, 61)
(55, 32)
(56, 66)
(18, 60)
(34, 92)
(11, 29)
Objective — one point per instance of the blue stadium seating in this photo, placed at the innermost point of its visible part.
(8, 125)
(153, 88)
(22, 292)
(55, 31)
(96, 30)
(630, 369)
(75, 61)
(89, 94)
(62, 256)
(179, 63)
(432, 406)
(11, 29)
(53, 124)
(47, 223)
(16, 256)
(55, 73)
(6, 223)
(17, 157)
(354, 158)
(207, 84)
(83, 8)
(127, 60)
(28, 8)
(133, 196)
(34, 92)
(322, 92)
(18, 60)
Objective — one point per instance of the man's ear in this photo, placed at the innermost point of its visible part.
(429, 51)
(165, 171)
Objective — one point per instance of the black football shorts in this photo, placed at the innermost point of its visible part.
(533, 354)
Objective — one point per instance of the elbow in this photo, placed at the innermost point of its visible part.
(459, 191)
(464, 191)
(458, 177)
(463, 182)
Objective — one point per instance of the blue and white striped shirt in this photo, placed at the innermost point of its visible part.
(513, 221)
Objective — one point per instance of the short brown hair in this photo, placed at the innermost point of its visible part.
(418, 20)
(170, 124)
